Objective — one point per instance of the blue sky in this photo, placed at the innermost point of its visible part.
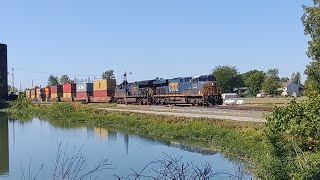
(164, 38)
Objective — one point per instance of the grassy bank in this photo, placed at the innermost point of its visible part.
(241, 140)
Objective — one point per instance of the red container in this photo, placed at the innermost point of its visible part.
(54, 89)
(102, 93)
(82, 96)
(100, 96)
(69, 88)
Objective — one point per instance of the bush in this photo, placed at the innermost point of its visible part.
(297, 122)
(294, 132)
(21, 104)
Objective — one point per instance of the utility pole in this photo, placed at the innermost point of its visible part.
(126, 88)
(13, 81)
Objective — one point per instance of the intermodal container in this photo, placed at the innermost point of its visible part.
(43, 93)
(83, 95)
(56, 92)
(69, 88)
(28, 93)
(33, 94)
(102, 93)
(38, 93)
(85, 87)
(69, 92)
(100, 96)
(57, 89)
(99, 85)
(47, 91)
(54, 95)
(67, 95)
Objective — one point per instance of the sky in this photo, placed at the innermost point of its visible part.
(150, 38)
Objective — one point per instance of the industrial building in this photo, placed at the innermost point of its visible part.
(3, 72)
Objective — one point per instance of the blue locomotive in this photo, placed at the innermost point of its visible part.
(197, 90)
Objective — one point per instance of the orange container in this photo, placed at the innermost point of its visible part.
(102, 85)
(47, 91)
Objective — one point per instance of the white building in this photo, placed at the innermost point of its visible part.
(290, 89)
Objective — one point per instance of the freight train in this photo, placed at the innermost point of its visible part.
(197, 90)
(97, 91)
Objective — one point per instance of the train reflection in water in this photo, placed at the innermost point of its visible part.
(4, 145)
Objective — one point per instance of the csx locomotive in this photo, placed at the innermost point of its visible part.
(197, 90)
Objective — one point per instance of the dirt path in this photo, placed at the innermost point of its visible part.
(189, 113)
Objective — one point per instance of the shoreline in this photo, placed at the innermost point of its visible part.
(235, 139)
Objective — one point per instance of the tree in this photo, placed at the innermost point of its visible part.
(108, 75)
(246, 75)
(271, 83)
(296, 78)
(53, 80)
(227, 77)
(310, 20)
(65, 79)
(284, 79)
(254, 82)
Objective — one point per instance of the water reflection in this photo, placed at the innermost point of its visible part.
(102, 133)
(97, 143)
(4, 145)
(194, 149)
(107, 134)
(126, 143)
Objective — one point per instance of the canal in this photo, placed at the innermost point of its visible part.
(30, 149)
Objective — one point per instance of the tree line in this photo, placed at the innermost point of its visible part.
(229, 78)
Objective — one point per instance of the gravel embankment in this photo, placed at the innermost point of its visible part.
(196, 112)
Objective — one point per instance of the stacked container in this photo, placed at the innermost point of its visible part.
(103, 90)
(69, 92)
(56, 92)
(84, 91)
(33, 94)
(40, 94)
(47, 91)
(28, 93)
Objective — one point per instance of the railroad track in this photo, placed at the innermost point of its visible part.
(237, 107)
(246, 108)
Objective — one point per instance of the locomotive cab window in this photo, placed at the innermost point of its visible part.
(203, 78)
(195, 80)
(211, 78)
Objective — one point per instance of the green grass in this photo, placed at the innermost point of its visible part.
(271, 102)
(245, 141)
